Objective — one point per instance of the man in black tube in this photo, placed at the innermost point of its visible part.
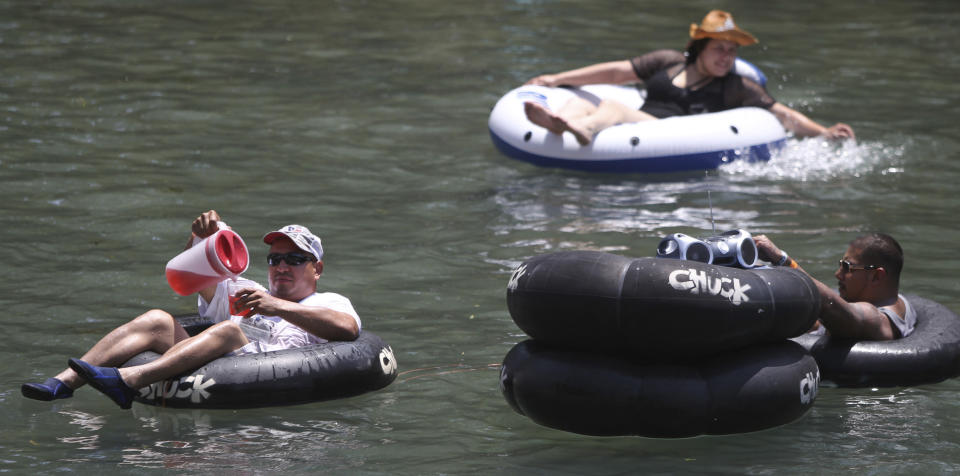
(291, 314)
(867, 304)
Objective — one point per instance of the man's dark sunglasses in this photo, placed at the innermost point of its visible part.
(847, 266)
(292, 259)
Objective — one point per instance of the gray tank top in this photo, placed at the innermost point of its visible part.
(904, 324)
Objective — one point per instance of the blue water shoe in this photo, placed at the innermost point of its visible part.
(105, 379)
(50, 389)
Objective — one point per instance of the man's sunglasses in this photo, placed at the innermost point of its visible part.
(847, 266)
(292, 259)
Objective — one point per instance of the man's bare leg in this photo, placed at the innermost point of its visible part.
(154, 330)
(121, 384)
(187, 354)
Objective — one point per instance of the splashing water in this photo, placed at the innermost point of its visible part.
(818, 160)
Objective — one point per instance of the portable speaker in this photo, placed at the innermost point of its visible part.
(686, 247)
(733, 248)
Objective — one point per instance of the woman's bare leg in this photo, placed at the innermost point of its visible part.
(556, 123)
(544, 118)
(608, 114)
(582, 119)
(576, 108)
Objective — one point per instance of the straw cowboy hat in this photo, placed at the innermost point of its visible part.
(719, 24)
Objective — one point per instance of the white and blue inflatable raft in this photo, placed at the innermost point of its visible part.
(675, 144)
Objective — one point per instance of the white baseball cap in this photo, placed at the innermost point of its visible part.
(301, 236)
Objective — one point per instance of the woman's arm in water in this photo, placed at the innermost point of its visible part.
(802, 126)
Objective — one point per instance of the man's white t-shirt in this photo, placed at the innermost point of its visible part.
(267, 333)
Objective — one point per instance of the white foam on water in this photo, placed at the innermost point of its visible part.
(820, 160)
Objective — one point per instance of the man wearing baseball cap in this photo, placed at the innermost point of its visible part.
(291, 314)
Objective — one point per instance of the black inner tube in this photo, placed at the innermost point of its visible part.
(930, 354)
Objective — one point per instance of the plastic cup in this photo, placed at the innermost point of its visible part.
(234, 287)
(220, 256)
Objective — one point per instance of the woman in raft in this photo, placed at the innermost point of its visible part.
(696, 81)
